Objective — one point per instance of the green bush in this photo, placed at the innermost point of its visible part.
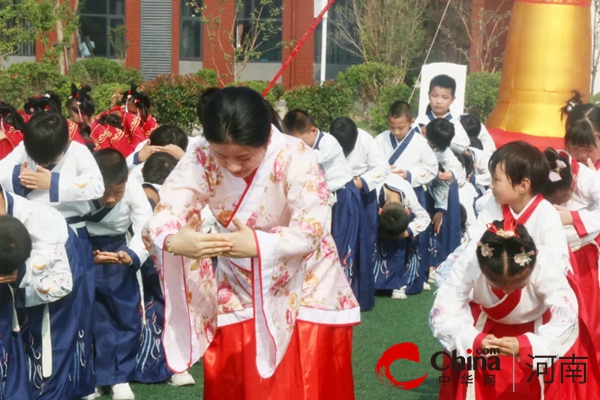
(209, 75)
(275, 94)
(388, 96)
(482, 93)
(107, 95)
(366, 82)
(99, 71)
(323, 103)
(174, 99)
(595, 99)
(23, 80)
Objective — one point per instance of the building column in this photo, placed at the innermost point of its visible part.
(298, 16)
(218, 32)
(133, 23)
(175, 40)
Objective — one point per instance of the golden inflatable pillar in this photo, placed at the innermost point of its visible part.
(548, 54)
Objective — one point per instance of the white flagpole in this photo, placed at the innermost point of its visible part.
(324, 47)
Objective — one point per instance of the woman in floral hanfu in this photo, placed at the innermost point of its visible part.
(274, 321)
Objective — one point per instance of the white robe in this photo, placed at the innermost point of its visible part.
(460, 141)
(75, 180)
(134, 209)
(417, 159)
(330, 157)
(368, 162)
(48, 275)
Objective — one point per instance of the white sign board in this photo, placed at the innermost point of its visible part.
(319, 6)
(456, 71)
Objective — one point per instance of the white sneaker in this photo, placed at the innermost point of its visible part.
(399, 294)
(122, 391)
(431, 277)
(426, 286)
(182, 379)
(97, 393)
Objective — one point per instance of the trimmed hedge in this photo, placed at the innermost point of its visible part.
(323, 102)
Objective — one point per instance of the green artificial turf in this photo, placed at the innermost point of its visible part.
(391, 322)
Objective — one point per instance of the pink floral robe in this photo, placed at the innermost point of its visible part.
(297, 274)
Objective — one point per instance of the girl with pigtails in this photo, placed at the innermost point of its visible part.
(575, 192)
(50, 102)
(510, 298)
(130, 124)
(582, 134)
(11, 125)
(137, 103)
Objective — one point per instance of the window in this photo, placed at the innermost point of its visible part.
(247, 14)
(336, 54)
(100, 21)
(191, 31)
(26, 49)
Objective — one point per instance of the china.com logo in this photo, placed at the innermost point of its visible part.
(484, 359)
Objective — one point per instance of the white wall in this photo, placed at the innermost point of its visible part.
(17, 59)
(189, 67)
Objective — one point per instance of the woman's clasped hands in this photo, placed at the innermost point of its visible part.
(191, 243)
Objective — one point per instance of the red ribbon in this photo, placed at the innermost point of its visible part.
(298, 47)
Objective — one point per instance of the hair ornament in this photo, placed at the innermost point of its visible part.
(47, 95)
(554, 175)
(508, 232)
(523, 259)
(486, 250)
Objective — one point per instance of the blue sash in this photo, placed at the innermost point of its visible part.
(400, 149)
(10, 203)
(431, 116)
(318, 142)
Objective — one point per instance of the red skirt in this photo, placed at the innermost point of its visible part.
(317, 365)
(586, 275)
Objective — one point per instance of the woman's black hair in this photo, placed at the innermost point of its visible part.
(346, 133)
(81, 96)
(522, 161)
(237, 115)
(11, 116)
(440, 132)
(15, 244)
(571, 105)
(503, 259)
(203, 100)
(561, 176)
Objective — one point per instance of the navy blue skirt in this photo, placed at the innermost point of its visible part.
(151, 364)
(72, 357)
(14, 383)
(118, 316)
